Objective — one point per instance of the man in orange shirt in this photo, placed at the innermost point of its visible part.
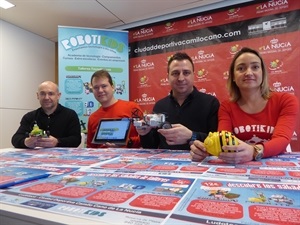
(103, 89)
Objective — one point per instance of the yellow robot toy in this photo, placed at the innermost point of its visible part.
(215, 140)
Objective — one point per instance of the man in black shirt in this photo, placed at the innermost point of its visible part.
(60, 124)
(191, 113)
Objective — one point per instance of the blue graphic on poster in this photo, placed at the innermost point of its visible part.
(81, 52)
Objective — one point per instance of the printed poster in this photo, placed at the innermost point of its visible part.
(236, 203)
(14, 174)
(106, 197)
(81, 52)
(149, 166)
(281, 168)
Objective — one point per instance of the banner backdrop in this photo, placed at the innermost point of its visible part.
(212, 39)
(81, 52)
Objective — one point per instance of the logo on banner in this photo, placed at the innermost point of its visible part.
(226, 75)
(267, 26)
(145, 100)
(143, 65)
(203, 90)
(203, 57)
(199, 20)
(275, 66)
(144, 32)
(92, 41)
(276, 46)
(280, 88)
(234, 49)
(233, 13)
(143, 81)
(201, 74)
(169, 27)
(272, 6)
(164, 81)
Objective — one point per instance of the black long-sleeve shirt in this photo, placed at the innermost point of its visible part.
(199, 113)
(62, 124)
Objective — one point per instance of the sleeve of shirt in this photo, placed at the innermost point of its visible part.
(225, 121)
(150, 140)
(89, 136)
(135, 141)
(73, 135)
(285, 126)
(212, 119)
(23, 131)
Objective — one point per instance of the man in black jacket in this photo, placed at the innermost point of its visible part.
(191, 113)
(60, 125)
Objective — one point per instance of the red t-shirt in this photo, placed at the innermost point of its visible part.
(121, 109)
(273, 126)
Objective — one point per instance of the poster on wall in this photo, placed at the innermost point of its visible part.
(212, 39)
(83, 51)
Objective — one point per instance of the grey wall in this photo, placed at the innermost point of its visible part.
(26, 60)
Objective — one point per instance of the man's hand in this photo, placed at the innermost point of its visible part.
(143, 130)
(176, 135)
(31, 141)
(48, 142)
(198, 151)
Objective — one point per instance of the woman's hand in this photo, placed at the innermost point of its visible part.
(241, 153)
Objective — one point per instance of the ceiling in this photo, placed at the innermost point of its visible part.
(42, 17)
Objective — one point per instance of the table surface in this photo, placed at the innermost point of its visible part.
(146, 186)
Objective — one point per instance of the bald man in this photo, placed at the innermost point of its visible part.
(60, 124)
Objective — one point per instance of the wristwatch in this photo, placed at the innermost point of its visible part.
(193, 138)
(258, 153)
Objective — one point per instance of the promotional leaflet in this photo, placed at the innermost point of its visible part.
(155, 166)
(284, 168)
(151, 187)
(86, 157)
(235, 203)
(285, 161)
(130, 198)
(14, 174)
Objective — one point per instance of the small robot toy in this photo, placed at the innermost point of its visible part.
(153, 120)
(215, 140)
(37, 132)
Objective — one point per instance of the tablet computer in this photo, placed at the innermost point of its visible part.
(112, 130)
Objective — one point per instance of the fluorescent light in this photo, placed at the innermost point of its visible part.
(5, 4)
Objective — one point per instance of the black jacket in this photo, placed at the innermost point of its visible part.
(199, 113)
(62, 124)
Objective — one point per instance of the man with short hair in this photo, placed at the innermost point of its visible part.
(60, 125)
(103, 89)
(192, 114)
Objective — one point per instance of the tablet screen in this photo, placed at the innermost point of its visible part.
(113, 131)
